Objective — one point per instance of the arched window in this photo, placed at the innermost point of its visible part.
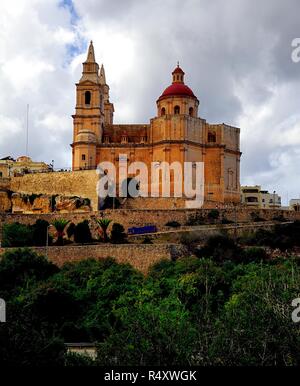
(191, 111)
(176, 110)
(211, 136)
(87, 97)
(163, 111)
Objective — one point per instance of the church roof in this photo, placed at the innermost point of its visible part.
(177, 89)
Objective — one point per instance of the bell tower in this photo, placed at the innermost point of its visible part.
(88, 119)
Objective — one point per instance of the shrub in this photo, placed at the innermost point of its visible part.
(195, 220)
(226, 221)
(117, 234)
(173, 224)
(214, 214)
(190, 238)
(220, 248)
(147, 240)
(82, 232)
(256, 218)
(70, 230)
(279, 218)
(254, 254)
(74, 360)
(17, 235)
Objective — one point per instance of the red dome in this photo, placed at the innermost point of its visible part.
(177, 89)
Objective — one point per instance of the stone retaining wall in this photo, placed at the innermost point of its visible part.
(140, 256)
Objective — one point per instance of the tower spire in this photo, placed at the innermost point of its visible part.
(90, 67)
(102, 79)
(91, 54)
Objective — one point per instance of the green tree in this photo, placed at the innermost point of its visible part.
(60, 225)
(153, 333)
(82, 232)
(39, 230)
(21, 268)
(104, 224)
(221, 248)
(255, 326)
(117, 234)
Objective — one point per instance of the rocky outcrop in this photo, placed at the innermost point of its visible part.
(41, 203)
(5, 202)
(23, 203)
(72, 204)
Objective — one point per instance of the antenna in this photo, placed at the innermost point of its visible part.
(27, 121)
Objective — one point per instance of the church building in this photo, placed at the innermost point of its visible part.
(176, 133)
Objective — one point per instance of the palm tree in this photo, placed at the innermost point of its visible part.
(60, 226)
(104, 224)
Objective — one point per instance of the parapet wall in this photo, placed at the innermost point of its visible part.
(133, 217)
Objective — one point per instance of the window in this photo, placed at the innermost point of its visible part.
(83, 157)
(87, 97)
(191, 111)
(124, 138)
(176, 110)
(163, 111)
(251, 199)
(211, 136)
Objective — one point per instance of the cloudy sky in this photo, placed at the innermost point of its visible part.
(236, 55)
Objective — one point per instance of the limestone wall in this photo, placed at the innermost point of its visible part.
(140, 256)
(79, 183)
(4, 183)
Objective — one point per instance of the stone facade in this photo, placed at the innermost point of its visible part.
(175, 134)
